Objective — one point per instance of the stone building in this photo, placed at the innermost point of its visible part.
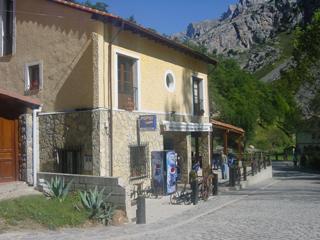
(308, 143)
(88, 93)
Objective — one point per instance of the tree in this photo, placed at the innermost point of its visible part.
(102, 6)
(243, 100)
(240, 98)
(132, 19)
(304, 72)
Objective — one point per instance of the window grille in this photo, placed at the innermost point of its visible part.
(69, 160)
(138, 161)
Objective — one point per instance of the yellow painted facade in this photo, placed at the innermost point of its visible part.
(155, 60)
(61, 39)
(73, 49)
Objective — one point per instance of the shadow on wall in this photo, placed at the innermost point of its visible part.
(135, 42)
(65, 132)
(171, 104)
(62, 40)
(77, 88)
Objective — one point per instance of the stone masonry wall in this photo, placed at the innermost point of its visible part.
(25, 146)
(124, 135)
(83, 182)
(100, 142)
(204, 146)
(64, 130)
(182, 146)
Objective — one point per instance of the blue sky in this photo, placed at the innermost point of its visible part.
(168, 16)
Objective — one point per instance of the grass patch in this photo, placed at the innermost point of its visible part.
(285, 44)
(50, 213)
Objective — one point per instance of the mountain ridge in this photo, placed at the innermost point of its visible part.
(252, 32)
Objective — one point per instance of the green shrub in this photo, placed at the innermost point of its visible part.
(57, 188)
(96, 203)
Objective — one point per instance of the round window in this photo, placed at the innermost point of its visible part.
(169, 81)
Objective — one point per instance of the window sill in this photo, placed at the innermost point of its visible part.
(138, 178)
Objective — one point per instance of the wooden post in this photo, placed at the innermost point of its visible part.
(225, 141)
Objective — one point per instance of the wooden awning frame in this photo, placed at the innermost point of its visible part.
(20, 99)
(228, 127)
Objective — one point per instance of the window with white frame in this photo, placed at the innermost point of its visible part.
(198, 96)
(127, 83)
(7, 24)
(33, 77)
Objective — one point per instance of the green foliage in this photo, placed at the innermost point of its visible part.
(196, 46)
(268, 112)
(102, 6)
(243, 100)
(306, 55)
(96, 203)
(57, 188)
(50, 213)
(284, 42)
(271, 138)
(132, 19)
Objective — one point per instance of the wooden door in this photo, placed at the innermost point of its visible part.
(8, 150)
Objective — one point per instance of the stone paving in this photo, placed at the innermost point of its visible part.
(287, 207)
(15, 189)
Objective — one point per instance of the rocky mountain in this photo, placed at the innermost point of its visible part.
(258, 34)
(247, 23)
(247, 31)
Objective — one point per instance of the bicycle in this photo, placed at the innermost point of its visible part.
(180, 197)
(205, 187)
(149, 192)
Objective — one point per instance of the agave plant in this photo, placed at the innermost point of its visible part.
(105, 213)
(57, 188)
(96, 203)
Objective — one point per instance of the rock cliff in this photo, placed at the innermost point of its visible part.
(243, 26)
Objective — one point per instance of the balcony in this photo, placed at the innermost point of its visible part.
(128, 99)
(198, 108)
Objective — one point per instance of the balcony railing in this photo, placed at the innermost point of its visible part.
(128, 100)
(198, 108)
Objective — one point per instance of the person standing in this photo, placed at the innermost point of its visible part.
(223, 164)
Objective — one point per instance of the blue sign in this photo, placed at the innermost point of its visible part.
(148, 122)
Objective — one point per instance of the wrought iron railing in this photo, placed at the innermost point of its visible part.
(128, 100)
(248, 164)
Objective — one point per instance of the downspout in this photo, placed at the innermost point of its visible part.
(35, 144)
(113, 38)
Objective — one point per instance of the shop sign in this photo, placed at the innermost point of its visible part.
(148, 122)
(186, 127)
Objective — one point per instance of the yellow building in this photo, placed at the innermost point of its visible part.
(103, 92)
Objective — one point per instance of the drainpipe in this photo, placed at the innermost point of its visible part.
(35, 143)
(113, 38)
